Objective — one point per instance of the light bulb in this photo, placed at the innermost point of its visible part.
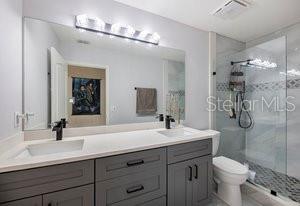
(143, 34)
(99, 24)
(82, 19)
(129, 31)
(115, 28)
(155, 37)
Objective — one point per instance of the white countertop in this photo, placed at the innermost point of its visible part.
(97, 146)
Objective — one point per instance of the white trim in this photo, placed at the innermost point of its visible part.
(97, 66)
(165, 85)
(211, 77)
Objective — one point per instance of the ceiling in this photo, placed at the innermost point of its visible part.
(262, 17)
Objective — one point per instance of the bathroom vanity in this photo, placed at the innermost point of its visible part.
(167, 168)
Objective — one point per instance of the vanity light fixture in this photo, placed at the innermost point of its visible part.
(94, 24)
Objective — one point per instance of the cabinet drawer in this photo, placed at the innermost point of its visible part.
(80, 196)
(132, 189)
(156, 202)
(121, 165)
(28, 183)
(178, 153)
(34, 201)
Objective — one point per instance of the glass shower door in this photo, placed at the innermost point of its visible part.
(265, 149)
(263, 145)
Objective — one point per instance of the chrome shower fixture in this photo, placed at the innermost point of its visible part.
(84, 22)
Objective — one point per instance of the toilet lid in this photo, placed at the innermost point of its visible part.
(229, 165)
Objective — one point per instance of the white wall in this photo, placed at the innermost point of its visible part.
(173, 34)
(10, 65)
(38, 38)
(126, 71)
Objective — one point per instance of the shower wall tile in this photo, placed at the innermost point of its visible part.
(232, 142)
(293, 141)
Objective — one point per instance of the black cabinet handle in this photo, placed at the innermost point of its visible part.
(135, 189)
(196, 173)
(135, 163)
(50, 204)
(190, 173)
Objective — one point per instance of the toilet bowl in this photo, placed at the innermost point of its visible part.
(228, 174)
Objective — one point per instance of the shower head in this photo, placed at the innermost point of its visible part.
(258, 63)
(242, 62)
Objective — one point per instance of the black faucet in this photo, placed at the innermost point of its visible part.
(168, 121)
(59, 128)
(160, 117)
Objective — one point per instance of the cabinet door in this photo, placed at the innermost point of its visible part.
(81, 196)
(180, 184)
(202, 180)
(34, 201)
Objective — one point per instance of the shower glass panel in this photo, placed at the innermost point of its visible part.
(263, 145)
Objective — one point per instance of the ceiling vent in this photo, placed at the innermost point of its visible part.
(231, 9)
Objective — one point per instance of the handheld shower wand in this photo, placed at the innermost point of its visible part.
(237, 84)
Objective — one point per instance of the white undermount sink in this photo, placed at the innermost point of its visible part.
(180, 132)
(53, 147)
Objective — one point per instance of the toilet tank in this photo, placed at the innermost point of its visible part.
(215, 140)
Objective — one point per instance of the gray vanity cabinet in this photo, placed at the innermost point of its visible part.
(190, 173)
(178, 175)
(180, 186)
(135, 179)
(38, 181)
(34, 201)
(80, 196)
(157, 202)
(189, 182)
(202, 180)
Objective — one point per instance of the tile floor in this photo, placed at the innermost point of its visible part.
(255, 197)
(281, 183)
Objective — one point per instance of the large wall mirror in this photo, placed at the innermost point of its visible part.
(94, 80)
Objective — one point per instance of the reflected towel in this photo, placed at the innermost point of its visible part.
(146, 101)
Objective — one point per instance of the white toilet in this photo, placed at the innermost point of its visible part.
(228, 174)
